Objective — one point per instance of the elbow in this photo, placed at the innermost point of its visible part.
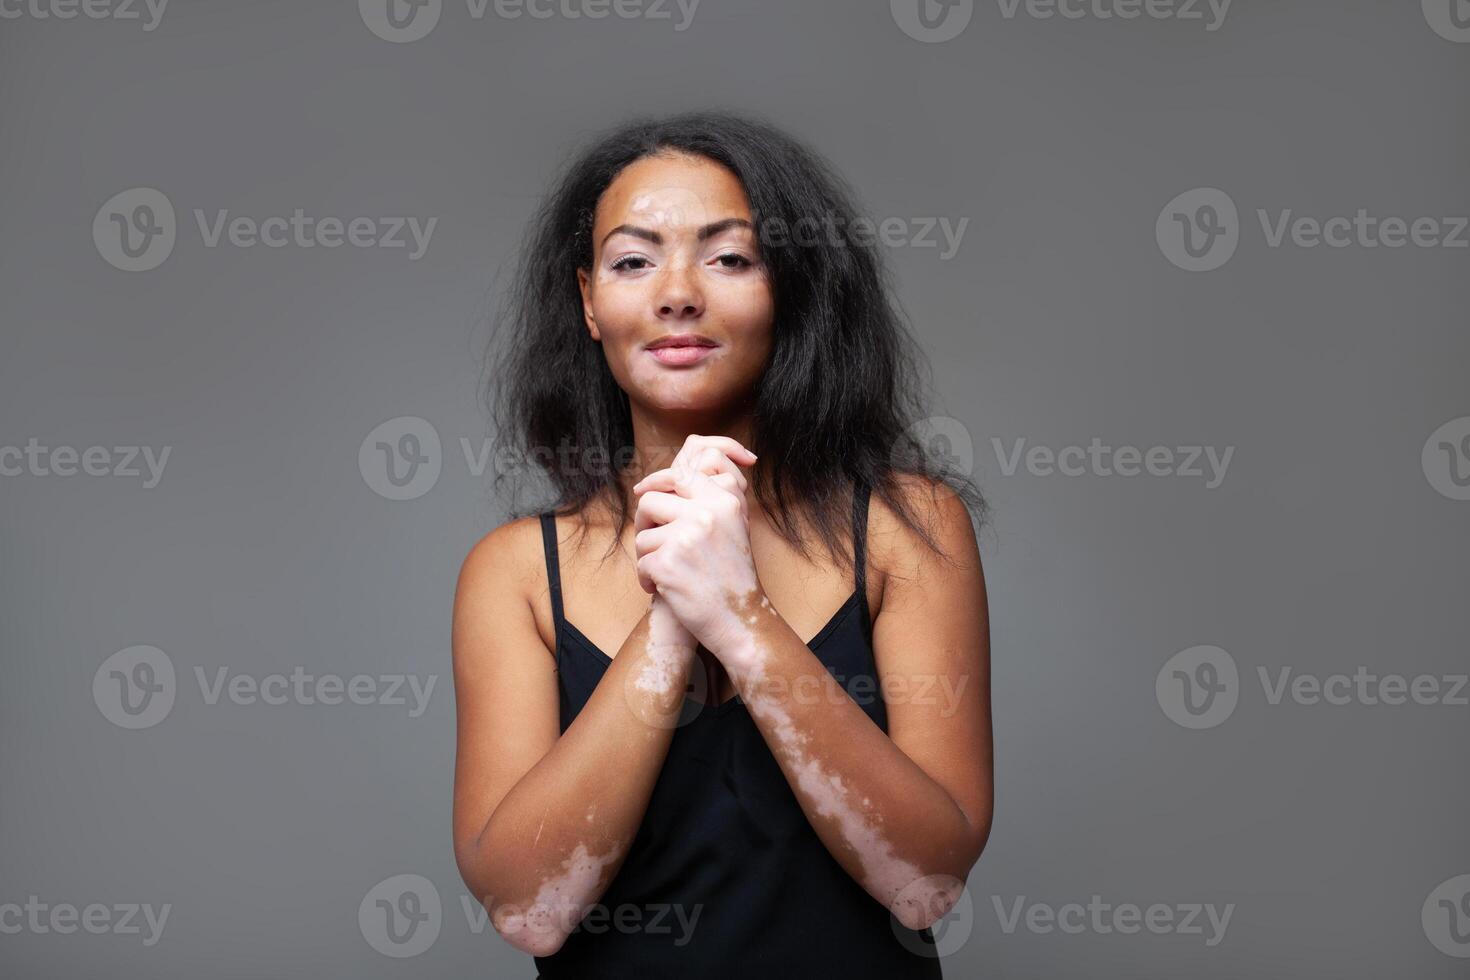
(977, 820)
(930, 899)
(980, 826)
(532, 930)
(927, 900)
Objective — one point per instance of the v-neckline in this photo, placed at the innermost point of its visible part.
(733, 700)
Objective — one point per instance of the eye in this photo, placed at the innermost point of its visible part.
(740, 261)
(626, 262)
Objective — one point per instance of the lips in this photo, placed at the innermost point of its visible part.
(682, 340)
(681, 349)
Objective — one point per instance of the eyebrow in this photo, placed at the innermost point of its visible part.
(707, 231)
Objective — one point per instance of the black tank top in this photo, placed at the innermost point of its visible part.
(725, 839)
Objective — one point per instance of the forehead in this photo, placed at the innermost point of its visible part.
(673, 191)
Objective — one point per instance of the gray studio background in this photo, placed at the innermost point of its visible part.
(1335, 542)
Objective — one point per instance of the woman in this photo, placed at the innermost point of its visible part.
(673, 758)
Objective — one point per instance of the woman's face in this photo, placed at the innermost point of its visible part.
(675, 253)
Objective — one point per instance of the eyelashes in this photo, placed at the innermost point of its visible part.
(626, 262)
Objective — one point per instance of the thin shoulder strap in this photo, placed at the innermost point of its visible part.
(553, 569)
(860, 550)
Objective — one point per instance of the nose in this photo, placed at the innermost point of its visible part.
(679, 295)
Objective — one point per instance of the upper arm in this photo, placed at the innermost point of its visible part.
(506, 705)
(931, 641)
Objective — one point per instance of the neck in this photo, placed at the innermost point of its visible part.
(658, 437)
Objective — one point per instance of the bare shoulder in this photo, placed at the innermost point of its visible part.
(898, 550)
(502, 573)
(505, 685)
(504, 557)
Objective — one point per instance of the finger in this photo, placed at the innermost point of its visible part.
(730, 448)
(708, 460)
(664, 479)
(645, 577)
(711, 461)
(694, 486)
(647, 541)
(656, 507)
(728, 481)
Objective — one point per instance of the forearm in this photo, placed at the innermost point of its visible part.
(887, 822)
(557, 839)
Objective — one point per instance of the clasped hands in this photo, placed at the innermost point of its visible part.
(693, 540)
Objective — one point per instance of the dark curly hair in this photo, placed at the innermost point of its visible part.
(840, 395)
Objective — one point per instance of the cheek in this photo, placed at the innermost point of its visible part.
(617, 314)
(617, 309)
(748, 312)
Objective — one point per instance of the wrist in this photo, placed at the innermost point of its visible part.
(665, 629)
(734, 637)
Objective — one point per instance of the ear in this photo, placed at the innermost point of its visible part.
(584, 283)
